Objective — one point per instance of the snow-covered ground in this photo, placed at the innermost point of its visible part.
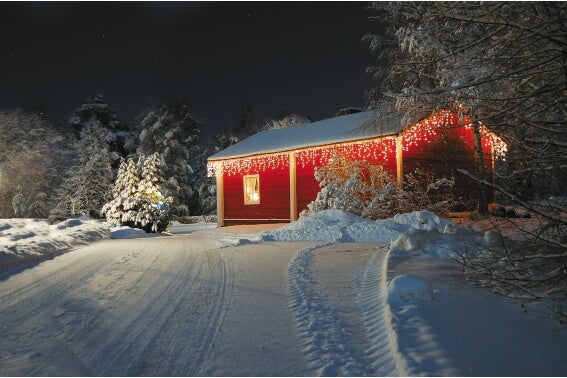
(31, 240)
(331, 294)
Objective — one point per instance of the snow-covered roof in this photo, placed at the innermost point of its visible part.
(347, 128)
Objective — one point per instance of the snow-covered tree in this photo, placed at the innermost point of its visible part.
(127, 179)
(504, 63)
(95, 109)
(29, 157)
(289, 120)
(88, 184)
(138, 202)
(171, 130)
(151, 178)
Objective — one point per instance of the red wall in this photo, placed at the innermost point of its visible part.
(440, 150)
(274, 195)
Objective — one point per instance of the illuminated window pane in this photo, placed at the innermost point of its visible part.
(251, 189)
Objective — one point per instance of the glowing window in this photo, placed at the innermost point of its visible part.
(251, 190)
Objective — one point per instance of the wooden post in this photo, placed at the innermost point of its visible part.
(292, 187)
(220, 194)
(493, 172)
(399, 161)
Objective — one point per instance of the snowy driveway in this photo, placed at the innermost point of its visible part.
(191, 305)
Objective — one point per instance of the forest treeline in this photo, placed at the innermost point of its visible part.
(70, 169)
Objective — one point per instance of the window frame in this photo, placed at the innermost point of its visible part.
(247, 195)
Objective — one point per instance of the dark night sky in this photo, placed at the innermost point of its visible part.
(305, 58)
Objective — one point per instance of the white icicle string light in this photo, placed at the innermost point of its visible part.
(383, 148)
(249, 165)
(374, 149)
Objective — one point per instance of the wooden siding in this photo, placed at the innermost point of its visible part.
(274, 197)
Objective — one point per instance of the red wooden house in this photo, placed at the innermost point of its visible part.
(269, 177)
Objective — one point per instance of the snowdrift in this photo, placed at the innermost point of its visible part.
(335, 225)
(24, 240)
(415, 234)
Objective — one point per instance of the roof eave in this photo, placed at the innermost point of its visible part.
(287, 150)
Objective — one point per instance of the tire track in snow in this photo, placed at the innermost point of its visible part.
(214, 321)
(181, 323)
(151, 307)
(376, 317)
(330, 345)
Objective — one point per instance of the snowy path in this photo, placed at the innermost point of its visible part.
(199, 305)
(339, 301)
(259, 336)
(136, 307)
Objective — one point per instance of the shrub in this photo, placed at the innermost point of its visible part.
(368, 190)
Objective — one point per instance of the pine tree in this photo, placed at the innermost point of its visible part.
(118, 210)
(138, 203)
(151, 179)
(120, 184)
(96, 109)
(171, 130)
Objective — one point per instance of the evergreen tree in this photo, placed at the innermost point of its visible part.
(96, 109)
(151, 179)
(120, 185)
(138, 203)
(171, 130)
(204, 197)
(88, 184)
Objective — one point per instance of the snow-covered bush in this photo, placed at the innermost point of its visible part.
(420, 191)
(347, 185)
(138, 203)
(367, 190)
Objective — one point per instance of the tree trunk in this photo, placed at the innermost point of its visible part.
(482, 206)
